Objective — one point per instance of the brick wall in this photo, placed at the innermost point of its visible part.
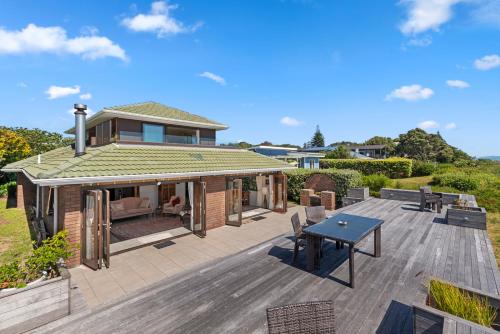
(70, 218)
(305, 196)
(215, 201)
(25, 193)
(328, 200)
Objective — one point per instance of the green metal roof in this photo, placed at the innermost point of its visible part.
(142, 161)
(159, 110)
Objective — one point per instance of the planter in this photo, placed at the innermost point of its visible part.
(429, 320)
(473, 217)
(361, 193)
(346, 201)
(39, 303)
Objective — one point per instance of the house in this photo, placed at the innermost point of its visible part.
(291, 155)
(142, 173)
(356, 151)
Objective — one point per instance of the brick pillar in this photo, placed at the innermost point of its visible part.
(71, 218)
(215, 201)
(25, 192)
(305, 195)
(328, 200)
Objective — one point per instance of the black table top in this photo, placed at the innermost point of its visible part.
(356, 229)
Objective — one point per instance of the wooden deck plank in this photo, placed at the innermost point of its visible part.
(231, 295)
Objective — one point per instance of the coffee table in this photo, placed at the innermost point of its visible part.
(356, 230)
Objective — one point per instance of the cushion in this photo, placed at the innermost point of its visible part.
(116, 206)
(176, 201)
(144, 204)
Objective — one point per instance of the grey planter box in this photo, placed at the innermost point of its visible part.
(37, 304)
(362, 193)
(474, 217)
(346, 201)
(429, 320)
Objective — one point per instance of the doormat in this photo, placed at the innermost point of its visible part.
(256, 219)
(163, 244)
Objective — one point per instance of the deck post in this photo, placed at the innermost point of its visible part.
(56, 209)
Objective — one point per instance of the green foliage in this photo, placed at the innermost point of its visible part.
(318, 140)
(463, 181)
(8, 188)
(392, 167)
(343, 179)
(43, 260)
(341, 152)
(422, 168)
(41, 141)
(376, 182)
(420, 145)
(468, 306)
(13, 147)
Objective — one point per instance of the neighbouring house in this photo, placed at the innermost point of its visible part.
(290, 155)
(356, 151)
(142, 173)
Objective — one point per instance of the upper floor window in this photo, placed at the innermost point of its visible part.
(177, 135)
(152, 133)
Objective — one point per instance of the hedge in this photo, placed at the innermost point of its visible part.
(392, 167)
(343, 179)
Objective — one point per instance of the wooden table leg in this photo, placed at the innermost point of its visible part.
(337, 244)
(311, 253)
(377, 239)
(351, 265)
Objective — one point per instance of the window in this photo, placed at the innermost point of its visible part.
(177, 135)
(152, 133)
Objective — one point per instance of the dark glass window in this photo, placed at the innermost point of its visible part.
(152, 133)
(177, 135)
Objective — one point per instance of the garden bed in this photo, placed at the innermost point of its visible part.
(474, 217)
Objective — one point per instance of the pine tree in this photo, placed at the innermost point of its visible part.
(318, 140)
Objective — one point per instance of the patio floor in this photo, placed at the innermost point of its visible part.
(231, 295)
(138, 268)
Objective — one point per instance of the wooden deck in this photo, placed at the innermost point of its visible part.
(231, 295)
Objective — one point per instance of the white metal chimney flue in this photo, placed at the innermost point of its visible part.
(80, 130)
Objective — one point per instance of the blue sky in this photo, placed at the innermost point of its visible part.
(272, 70)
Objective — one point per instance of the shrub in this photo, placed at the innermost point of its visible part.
(392, 167)
(8, 188)
(450, 299)
(464, 181)
(343, 179)
(376, 182)
(43, 260)
(422, 168)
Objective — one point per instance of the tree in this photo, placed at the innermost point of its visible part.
(13, 147)
(318, 140)
(41, 141)
(340, 152)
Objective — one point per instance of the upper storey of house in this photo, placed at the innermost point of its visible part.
(149, 122)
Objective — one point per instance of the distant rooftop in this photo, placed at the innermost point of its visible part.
(153, 112)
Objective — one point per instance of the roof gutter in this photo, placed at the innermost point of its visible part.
(143, 177)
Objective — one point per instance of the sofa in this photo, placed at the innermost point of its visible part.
(130, 207)
(174, 206)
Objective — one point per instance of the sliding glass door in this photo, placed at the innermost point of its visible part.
(233, 202)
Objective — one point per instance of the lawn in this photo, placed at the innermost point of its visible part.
(15, 238)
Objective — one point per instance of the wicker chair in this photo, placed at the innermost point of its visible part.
(311, 317)
(299, 235)
(315, 214)
(428, 199)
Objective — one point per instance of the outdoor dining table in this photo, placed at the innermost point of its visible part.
(354, 231)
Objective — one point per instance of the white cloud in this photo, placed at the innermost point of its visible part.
(420, 42)
(457, 84)
(35, 39)
(487, 12)
(425, 125)
(410, 93)
(209, 75)
(450, 126)
(55, 92)
(158, 21)
(22, 84)
(425, 15)
(487, 62)
(86, 96)
(289, 121)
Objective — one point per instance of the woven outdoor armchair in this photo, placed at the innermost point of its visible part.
(304, 318)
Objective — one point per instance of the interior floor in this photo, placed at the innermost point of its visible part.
(136, 227)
